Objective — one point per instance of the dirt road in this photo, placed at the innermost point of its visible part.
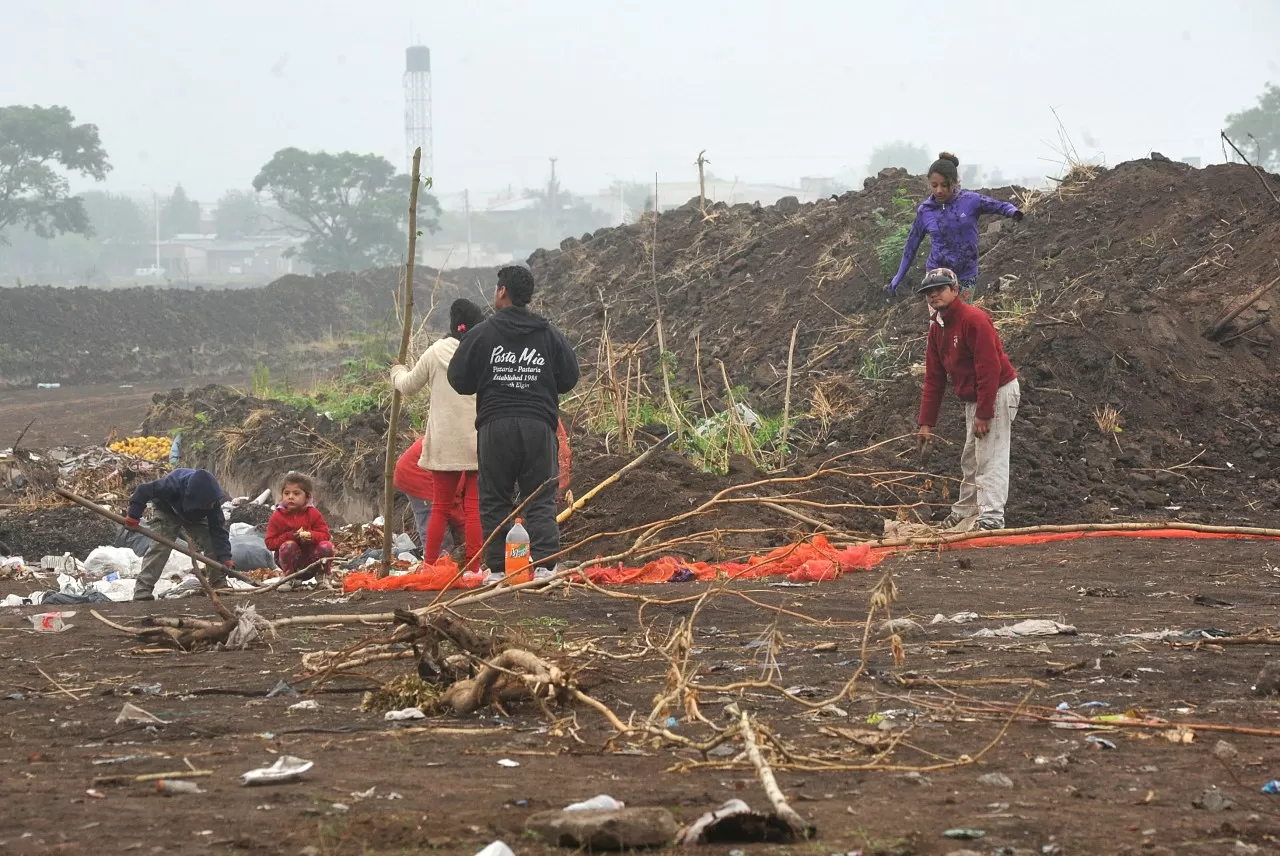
(77, 415)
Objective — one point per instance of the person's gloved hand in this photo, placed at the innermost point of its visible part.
(1017, 216)
(131, 522)
(893, 286)
(229, 565)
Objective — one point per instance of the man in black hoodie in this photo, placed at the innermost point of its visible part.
(517, 365)
(185, 501)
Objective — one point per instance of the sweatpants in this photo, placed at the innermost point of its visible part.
(442, 512)
(984, 463)
(173, 527)
(517, 451)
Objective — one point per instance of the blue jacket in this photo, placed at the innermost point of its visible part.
(953, 233)
(192, 495)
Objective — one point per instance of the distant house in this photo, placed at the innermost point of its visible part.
(258, 257)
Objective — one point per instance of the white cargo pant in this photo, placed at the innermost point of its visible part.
(984, 463)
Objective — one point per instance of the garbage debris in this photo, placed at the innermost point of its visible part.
(285, 769)
(507, 762)
(249, 626)
(132, 713)
(171, 787)
(956, 618)
(51, 622)
(104, 561)
(1272, 787)
(282, 689)
(995, 780)
(309, 704)
(1030, 627)
(1100, 742)
(600, 801)
(1212, 800)
(735, 823)
(404, 715)
(965, 834)
(497, 848)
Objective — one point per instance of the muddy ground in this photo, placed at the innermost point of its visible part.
(442, 790)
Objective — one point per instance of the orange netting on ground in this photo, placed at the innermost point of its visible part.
(812, 561)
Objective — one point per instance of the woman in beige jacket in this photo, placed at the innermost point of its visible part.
(449, 445)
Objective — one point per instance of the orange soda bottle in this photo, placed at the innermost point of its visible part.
(517, 561)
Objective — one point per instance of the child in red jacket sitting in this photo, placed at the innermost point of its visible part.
(297, 533)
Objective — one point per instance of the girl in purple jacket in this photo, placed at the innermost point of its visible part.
(950, 218)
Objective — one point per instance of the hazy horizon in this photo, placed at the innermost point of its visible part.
(204, 95)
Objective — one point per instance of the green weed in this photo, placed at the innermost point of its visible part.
(901, 216)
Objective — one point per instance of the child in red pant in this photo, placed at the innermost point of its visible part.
(297, 533)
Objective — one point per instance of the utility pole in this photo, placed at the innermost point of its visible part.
(702, 180)
(466, 206)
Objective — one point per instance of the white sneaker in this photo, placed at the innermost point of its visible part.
(545, 573)
(494, 577)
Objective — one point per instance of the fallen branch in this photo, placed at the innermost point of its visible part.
(769, 783)
(1220, 323)
(586, 497)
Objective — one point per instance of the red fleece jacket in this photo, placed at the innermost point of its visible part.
(966, 347)
(284, 525)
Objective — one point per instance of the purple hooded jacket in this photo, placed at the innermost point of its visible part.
(953, 233)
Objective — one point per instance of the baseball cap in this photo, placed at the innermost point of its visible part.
(937, 277)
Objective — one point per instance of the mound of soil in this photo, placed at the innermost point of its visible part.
(33, 534)
(250, 443)
(1104, 292)
(85, 335)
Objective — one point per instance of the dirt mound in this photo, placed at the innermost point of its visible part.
(84, 335)
(34, 534)
(250, 443)
(1104, 291)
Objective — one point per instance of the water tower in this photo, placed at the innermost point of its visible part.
(417, 106)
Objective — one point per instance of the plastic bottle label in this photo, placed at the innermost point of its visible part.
(518, 551)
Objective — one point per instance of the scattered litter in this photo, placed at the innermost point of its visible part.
(965, 834)
(790, 584)
(309, 704)
(1194, 635)
(824, 647)
(170, 787)
(1268, 681)
(1224, 751)
(957, 618)
(403, 715)
(97, 795)
(507, 762)
(133, 713)
(1205, 600)
(286, 768)
(283, 689)
(1101, 742)
(1095, 704)
(1212, 800)
(601, 801)
(897, 626)
(497, 848)
(1272, 787)
(1030, 627)
(671, 722)
(995, 780)
(248, 628)
(51, 622)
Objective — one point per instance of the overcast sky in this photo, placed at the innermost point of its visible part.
(203, 93)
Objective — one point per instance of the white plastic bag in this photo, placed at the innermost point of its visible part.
(104, 561)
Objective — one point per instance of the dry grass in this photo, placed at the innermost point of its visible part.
(1107, 418)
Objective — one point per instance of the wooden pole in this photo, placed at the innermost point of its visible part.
(702, 181)
(393, 424)
(786, 401)
(1220, 323)
(586, 497)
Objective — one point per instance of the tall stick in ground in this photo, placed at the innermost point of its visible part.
(786, 400)
(393, 424)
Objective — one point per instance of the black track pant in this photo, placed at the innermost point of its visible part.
(518, 452)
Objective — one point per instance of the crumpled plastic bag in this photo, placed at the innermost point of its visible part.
(105, 561)
(1030, 627)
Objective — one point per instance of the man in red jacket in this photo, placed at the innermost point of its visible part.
(964, 345)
